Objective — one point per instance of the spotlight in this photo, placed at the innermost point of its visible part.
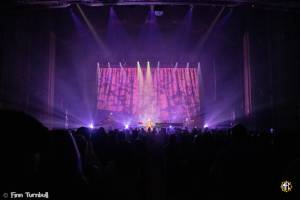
(91, 125)
(170, 126)
(158, 11)
(126, 126)
(205, 126)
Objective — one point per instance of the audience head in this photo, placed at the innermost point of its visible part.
(23, 140)
(239, 132)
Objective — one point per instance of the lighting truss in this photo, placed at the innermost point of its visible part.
(259, 3)
(288, 3)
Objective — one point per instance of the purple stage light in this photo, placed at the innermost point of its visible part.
(91, 126)
(126, 126)
(205, 125)
(158, 13)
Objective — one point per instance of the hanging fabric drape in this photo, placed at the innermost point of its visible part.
(161, 94)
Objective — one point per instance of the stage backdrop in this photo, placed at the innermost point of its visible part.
(159, 94)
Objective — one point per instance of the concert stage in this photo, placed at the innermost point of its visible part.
(111, 123)
(71, 67)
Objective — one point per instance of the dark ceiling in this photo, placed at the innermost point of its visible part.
(66, 3)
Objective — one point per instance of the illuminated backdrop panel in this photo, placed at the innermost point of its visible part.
(159, 94)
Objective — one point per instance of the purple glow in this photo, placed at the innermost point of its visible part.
(91, 126)
(143, 37)
(205, 125)
(158, 13)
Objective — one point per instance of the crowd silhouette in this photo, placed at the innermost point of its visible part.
(146, 164)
